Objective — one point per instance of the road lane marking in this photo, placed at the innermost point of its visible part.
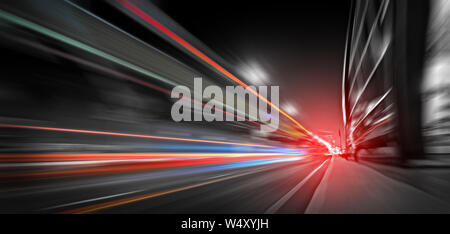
(275, 207)
(315, 198)
(218, 176)
(91, 200)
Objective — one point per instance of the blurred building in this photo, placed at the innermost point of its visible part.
(382, 76)
(436, 83)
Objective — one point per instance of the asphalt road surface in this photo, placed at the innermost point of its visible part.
(314, 184)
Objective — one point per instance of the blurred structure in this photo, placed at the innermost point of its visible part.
(382, 78)
(436, 83)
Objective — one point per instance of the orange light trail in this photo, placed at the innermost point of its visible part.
(202, 56)
(126, 135)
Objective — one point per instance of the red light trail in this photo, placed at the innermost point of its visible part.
(120, 167)
(53, 157)
(202, 56)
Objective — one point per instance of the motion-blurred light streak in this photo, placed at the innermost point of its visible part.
(55, 157)
(123, 201)
(361, 138)
(35, 27)
(205, 58)
(53, 34)
(133, 166)
(126, 135)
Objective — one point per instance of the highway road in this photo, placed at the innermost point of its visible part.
(308, 184)
(237, 187)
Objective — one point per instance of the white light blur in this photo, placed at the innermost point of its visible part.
(290, 109)
(255, 74)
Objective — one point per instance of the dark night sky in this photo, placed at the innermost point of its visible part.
(300, 45)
